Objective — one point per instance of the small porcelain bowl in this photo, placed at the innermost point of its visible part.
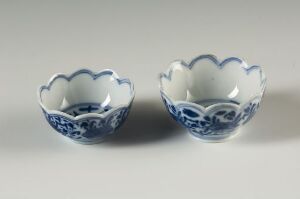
(86, 106)
(212, 98)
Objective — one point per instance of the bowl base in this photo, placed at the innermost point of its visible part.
(210, 139)
(96, 141)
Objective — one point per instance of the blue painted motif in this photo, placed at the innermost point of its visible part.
(84, 108)
(87, 129)
(218, 122)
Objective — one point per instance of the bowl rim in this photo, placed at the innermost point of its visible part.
(94, 75)
(220, 64)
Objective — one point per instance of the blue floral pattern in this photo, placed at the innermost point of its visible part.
(215, 123)
(88, 130)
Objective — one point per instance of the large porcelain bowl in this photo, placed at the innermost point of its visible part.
(212, 98)
(85, 106)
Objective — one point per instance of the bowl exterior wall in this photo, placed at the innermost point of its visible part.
(217, 123)
(88, 130)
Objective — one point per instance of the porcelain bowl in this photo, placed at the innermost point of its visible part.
(85, 106)
(212, 98)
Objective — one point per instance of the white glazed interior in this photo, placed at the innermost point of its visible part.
(208, 80)
(85, 88)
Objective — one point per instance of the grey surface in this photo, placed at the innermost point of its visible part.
(152, 157)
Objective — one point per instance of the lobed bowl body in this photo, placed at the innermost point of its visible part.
(85, 106)
(212, 98)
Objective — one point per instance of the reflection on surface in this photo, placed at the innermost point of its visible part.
(234, 93)
(106, 101)
(209, 102)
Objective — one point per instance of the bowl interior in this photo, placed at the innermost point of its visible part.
(85, 94)
(206, 83)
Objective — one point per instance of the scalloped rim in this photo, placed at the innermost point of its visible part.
(220, 64)
(94, 76)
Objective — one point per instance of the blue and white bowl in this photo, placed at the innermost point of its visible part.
(85, 106)
(212, 98)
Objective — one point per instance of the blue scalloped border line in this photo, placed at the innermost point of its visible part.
(220, 65)
(89, 72)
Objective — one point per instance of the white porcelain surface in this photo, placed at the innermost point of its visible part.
(206, 81)
(84, 88)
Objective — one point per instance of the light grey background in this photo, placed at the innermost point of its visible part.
(152, 157)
